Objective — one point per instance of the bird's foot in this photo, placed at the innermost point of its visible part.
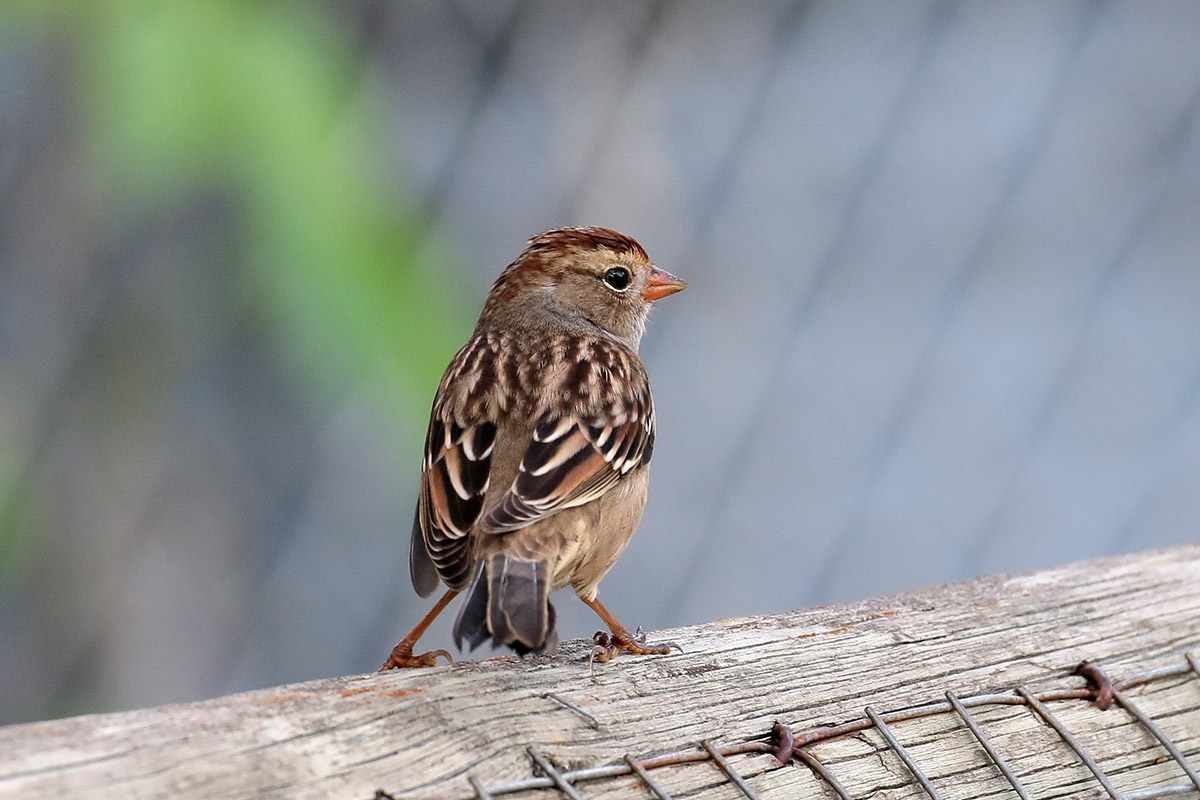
(610, 645)
(402, 657)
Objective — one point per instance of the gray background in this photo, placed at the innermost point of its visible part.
(944, 320)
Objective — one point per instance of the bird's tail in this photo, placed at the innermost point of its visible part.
(509, 602)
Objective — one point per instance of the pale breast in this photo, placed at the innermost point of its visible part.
(616, 517)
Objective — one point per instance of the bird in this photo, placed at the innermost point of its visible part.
(537, 455)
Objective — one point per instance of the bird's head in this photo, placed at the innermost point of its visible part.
(580, 279)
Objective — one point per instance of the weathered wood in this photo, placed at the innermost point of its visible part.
(424, 732)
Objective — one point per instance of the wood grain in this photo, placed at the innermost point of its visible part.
(421, 733)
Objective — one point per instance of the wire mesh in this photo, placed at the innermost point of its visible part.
(793, 747)
(734, 778)
(902, 751)
(986, 743)
(1042, 711)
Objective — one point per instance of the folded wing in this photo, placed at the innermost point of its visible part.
(571, 462)
(453, 484)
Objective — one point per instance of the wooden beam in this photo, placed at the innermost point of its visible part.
(425, 733)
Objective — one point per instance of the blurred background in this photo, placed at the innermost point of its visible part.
(944, 315)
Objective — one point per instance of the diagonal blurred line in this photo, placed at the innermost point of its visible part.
(720, 182)
(1169, 442)
(1043, 417)
(1021, 168)
(494, 64)
(644, 33)
(717, 190)
(495, 56)
(462, 16)
(22, 130)
(733, 467)
(1172, 434)
(1047, 409)
(370, 19)
(90, 313)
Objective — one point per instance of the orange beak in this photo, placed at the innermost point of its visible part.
(660, 284)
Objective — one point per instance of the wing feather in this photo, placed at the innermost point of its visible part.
(595, 424)
(454, 479)
(571, 462)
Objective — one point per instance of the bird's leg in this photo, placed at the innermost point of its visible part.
(608, 646)
(402, 654)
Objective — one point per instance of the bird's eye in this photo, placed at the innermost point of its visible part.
(617, 278)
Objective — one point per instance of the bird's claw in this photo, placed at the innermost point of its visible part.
(609, 645)
(604, 648)
(402, 657)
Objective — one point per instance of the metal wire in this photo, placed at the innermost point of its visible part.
(553, 774)
(1072, 742)
(1127, 704)
(651, 784)
(720, 761)
(822, 771)
(1147, 794)
(986, 744)
(1160, 673)
(565, 782)
(592, 721)
(480, 792)
(901, 751)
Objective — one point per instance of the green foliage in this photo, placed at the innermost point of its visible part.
(264, 99)
(265, 104)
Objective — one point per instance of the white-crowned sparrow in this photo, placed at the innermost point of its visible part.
(536, 459)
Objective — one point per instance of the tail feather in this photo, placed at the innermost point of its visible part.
(517, 595)
(509, 602)
(471, 623)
